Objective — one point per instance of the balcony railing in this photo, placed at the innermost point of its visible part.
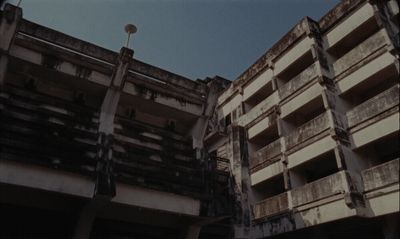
(49, 131)
(381, 175)
(154, 157)
(360, 52)
(271, 206)
(298, 81)
(266, 156)
(325, 187)
(374, 106)
(308, 130)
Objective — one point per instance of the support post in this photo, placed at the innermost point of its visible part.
(105, 188)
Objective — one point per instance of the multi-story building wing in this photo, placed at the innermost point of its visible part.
(311, 129)
(93, 142)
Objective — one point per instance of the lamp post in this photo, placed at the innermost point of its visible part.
(130, 29)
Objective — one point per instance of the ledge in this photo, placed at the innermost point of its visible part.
(271, 206)
(373, 107)
(380, 176)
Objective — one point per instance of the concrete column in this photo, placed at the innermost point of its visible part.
(215, 86)
(193, 232)
(84, 224)
(240, 170)
(8, 27)
(87, 217)
(105, 184)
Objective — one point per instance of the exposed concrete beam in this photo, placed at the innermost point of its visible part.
(165, 88)
(57, 181)
(66, 41)
(156, 200)
(167, 77)
(102, 54)
(166, 100)
(62, 53)
(47, 179)
(63, 67)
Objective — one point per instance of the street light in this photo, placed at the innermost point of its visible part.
(130, 29)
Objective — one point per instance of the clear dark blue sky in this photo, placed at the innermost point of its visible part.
(193, 38)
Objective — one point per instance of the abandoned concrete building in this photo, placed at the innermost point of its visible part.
(303, 144)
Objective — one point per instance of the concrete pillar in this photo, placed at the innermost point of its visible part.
(105, 184)
(193, 232)
(238, 157)
(8, 27)
(200, 128)
(84, 225)
(87, 217)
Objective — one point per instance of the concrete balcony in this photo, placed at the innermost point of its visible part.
(362, 15)
(298, 82)
(381, 188)
(271, 206)
(381, 176)
(365, 51)
(273, 169)
(375, 118)
(299, 50)
(318, 202)
(265, 156)
(307, 132)
(369, 71)
(255, 114)
(335, 184)
(306, 96)
(263, 124)
(324, 200)
(257, 84)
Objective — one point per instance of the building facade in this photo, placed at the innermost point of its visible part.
(312, 129)
(95, 144)
(303, 144)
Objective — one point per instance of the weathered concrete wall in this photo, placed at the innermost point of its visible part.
(361, 51)
(337, 13)
(320, 189)
(297, 82)
(282, 45)
(261, 124)
(274, 226)
(253, 116)
(265, 156)
(307, 130)
(374, 106)
(381, 175)
(271, 206)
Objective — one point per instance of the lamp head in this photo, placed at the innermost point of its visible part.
(130, 28)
